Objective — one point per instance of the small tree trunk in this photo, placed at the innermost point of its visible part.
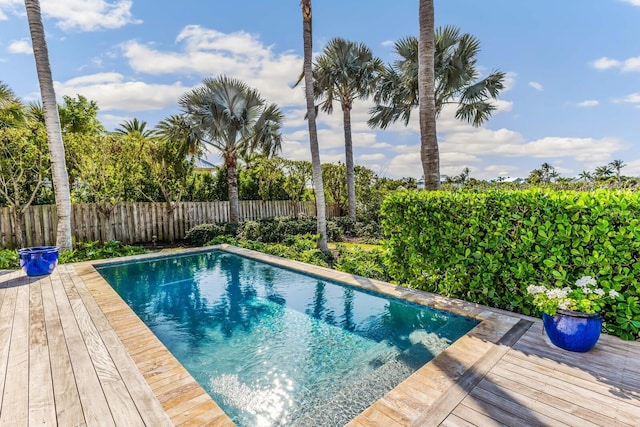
(348, 153)
(232, 180)
(17, 216)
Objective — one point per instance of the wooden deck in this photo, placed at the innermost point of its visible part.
(72, 353)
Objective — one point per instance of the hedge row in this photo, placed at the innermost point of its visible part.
(488, 247)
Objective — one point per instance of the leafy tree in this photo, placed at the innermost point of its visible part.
(298, 174)
(233, 119)
(79, 116)
(346, 71)
(24, 166)
(52, 121)
(311, 121)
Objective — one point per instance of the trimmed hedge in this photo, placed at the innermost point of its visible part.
(488, 247)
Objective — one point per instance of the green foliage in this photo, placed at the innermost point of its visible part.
(201, 234)
(584, 297)
(489, 247)
(366, 263)
(95, 250)
(300, 248)
(9, 259)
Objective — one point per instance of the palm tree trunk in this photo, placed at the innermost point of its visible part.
(232, 180)
(313, 132)
(426, 93)
(52, 123)
(348, 154)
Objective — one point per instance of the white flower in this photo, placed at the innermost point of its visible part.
(556, 293)
(567, 289)
(533, 289)
(563, 304)
(613, 293)
(599, 292)
(584, 281)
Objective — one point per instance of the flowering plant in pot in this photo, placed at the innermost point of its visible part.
(572, 315)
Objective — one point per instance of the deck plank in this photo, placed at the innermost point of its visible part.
(15, 401)
(94, 402)
(42, 410)
(66, 397)
(7, 315)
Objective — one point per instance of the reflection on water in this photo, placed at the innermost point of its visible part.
(275, 347)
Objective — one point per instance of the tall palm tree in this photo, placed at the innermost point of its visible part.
(426, 93)
(311, 120)
(52, 122)
(346, 71)
(617, 165)
(234, 119)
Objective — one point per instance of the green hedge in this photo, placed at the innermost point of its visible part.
(488, 247)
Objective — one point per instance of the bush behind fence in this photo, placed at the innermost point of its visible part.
(138, 222)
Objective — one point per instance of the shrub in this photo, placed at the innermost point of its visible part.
(201, 234)
(487, 247)
(366, 263)
(9, 259)
(95, 250)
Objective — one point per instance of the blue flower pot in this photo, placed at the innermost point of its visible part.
(38, 260)
(572, 330)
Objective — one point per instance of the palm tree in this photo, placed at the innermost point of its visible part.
(234, 119)
(456, 81)
(52, 122)
(346, 71)
(603, 172)
(134, 127)
(313, 133)
(586, 176)
(11, 109)
(426, 93)
(617, 165)
(179, 130)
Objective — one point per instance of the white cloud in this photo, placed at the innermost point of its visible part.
(207, 52)
(537, 86)
(112, 92)
(605, 63)
(371, 157)
(588, 103)
(83, 15)
(633, 2)
(628, 65)
(20, 46)
(633, 98)
(388, 43)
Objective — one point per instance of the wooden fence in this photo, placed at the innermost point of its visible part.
(138, 222)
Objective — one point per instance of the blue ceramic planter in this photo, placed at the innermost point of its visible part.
(572, 330)
(38, 260)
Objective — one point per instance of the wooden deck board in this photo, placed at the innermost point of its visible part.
(73, 353)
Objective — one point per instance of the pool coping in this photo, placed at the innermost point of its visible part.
(426, 396)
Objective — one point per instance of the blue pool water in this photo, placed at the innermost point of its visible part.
(277, 347)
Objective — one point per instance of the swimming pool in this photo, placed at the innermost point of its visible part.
(277, 347)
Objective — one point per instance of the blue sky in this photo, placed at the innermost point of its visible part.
(573, 96)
